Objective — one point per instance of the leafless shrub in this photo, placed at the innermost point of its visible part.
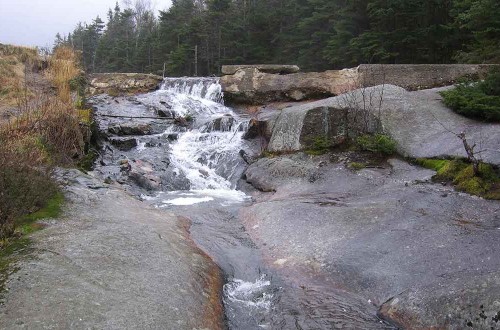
(363, 105)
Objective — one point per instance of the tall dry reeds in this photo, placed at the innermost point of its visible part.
(63, 67)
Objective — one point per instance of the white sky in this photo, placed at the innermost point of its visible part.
(36, 22)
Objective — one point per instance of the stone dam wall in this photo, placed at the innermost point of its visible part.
(260, 84)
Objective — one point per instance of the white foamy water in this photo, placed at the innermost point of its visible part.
(188, 200)
(199, 88)
(141, 146)
(249, 294)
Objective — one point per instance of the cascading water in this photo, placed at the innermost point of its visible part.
(201, 88)
(206, 152)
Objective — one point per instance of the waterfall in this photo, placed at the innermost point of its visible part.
(204, 88)
(206, 152)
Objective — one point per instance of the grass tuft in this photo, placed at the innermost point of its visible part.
(377, 143)
(357, 166)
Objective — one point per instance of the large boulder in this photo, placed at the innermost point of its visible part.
(116, 84)
(143, 174)
(418, 121)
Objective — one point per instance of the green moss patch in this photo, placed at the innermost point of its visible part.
(86, 163)
(319, 145)
(15, 248)
(357, 166)
(461, 174)
(434, 164)
(52, 209)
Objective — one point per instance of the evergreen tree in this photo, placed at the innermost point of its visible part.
(479, 20)
(199, 36)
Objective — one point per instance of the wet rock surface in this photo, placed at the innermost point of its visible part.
(193, 174)
(112, 262)
(128, 130)
(423, 253)
(123, 144)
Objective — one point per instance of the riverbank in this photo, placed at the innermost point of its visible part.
(112, 262)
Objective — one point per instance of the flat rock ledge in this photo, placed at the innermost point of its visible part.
(111, 262)
(116, 84)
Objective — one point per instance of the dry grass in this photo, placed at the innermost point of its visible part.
(46, 132)
(63, 67)
(13, 61)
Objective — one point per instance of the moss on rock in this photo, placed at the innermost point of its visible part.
(461, 174)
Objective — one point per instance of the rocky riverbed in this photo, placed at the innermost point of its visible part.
(182, 225)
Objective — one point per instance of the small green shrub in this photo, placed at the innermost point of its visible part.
(378, 143)
(479, 100)
(491, 85)
(86, 163)
(319, 145)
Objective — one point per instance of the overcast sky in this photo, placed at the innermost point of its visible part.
(36, 22)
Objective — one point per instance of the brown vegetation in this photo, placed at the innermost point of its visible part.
(13, 61)
(46, 131)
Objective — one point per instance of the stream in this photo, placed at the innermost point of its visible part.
(180, 149)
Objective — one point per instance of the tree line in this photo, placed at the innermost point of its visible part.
(199, 36)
